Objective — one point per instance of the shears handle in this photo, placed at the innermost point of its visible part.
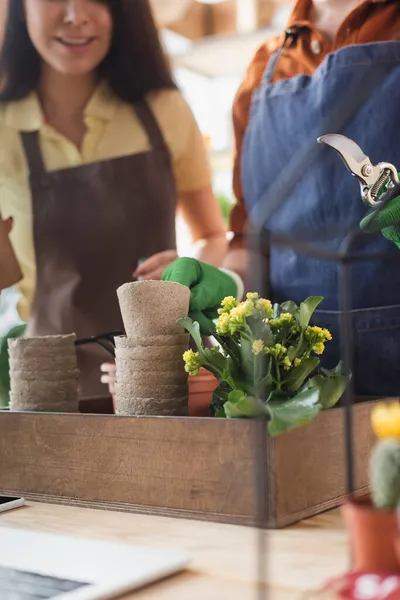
(389, 195)
(105, 340)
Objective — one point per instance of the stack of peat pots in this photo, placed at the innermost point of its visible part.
(43, 374)
(151, 379)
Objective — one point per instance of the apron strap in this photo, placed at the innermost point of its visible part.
(291, 37)
(150, 125)
(33, 153)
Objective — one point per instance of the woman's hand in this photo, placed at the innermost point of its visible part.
(109, 371)
(153, 267)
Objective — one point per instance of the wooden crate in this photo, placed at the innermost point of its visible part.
(189, 467)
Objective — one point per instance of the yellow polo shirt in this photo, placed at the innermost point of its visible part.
(113, 130)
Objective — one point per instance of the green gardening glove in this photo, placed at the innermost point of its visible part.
(386, 220)
(208, 287)
(15, 332)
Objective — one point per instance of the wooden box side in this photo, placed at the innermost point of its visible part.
(190, 466)
(307, 466)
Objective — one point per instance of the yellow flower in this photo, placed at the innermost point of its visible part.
(223, 323)
(286, 317)
(258, 346)
(297, 361)
(280, 348)
(241, 311)
(192, 362)
(385, 419)
(283, 320)
(327, 334)
(286, 363)
(252, 296)
(227, 304)
(319, 348)
(265, 307)
(322, 333)
(278, 351)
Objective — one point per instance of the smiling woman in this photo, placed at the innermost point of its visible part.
(98, 151)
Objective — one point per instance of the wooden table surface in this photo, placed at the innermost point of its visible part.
(224, 557)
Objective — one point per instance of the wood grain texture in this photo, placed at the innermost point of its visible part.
(308, 464)
(224, 558)
(188, 467)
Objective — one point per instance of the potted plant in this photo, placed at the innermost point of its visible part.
(372, 519)
(267, 362)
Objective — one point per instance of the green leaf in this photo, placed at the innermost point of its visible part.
(338, 370)
(331, 389)
(240, 406)
(220, 414)
(247, 357)
(287, 414)
(263, 389)
(278, 396)
(292, 353)
(219, 397)
(289, 307)
(261, 331)
(229, 346)
(297, 376)
(307, 308)
(235, 396)
(15, 332)
(216, 359)
(193, 328)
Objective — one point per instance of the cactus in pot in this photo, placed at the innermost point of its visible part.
(385, 474)
(372, 519)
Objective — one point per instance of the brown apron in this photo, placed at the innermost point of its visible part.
(91, 224)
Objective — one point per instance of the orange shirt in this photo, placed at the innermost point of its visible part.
(370, 21)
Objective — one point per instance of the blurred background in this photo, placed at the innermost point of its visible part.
(210, 44)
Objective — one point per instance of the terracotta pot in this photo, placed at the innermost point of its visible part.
(373, 536)
(201, 389)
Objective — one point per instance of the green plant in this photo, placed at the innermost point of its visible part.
(267, 362)
(226, 206)
(16, 331)
(385, 474)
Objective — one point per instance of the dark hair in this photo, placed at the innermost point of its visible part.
(135, 65)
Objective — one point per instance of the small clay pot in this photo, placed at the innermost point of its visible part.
(133, 365)
(140, 377)
(42, 388)
(55, 342)
(152, 340)
(38, 347)
(201, 389)
(153, 307)
(152, 388)
(49, 376)
(152, 353)
(373, 536)
(44, 363)
(60, 403)
(167, 407)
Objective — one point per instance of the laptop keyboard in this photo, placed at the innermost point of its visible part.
(20, 585)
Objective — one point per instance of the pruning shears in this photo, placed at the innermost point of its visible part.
(379, 183)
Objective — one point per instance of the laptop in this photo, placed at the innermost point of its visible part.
(41, 566)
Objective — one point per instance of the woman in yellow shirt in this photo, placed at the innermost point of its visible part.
(98, 149)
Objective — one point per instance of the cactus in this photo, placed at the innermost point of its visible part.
(385, 474)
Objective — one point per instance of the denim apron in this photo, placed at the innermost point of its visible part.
(296, 187)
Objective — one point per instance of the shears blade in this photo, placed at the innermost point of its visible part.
(353, 157)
